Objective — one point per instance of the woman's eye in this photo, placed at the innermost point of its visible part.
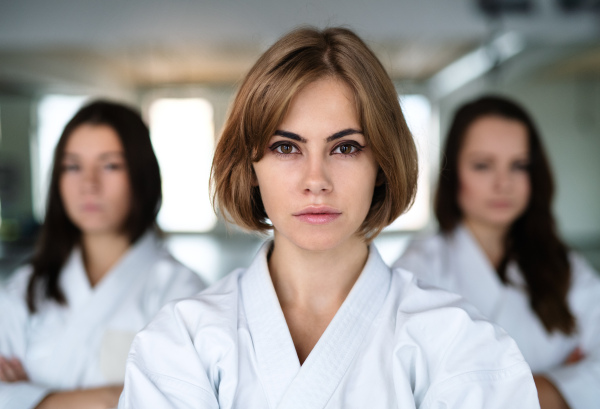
(284, 149)
(521, 167)
(346, 149)
(480, 166)
(70, 168)
(113, 166)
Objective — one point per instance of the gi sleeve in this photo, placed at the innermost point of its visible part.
(511, 387)
(21, 395)
(13, 319)
(469, 362)
(579, 383)
(164, 369)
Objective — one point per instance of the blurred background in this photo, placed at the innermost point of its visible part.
(180, 61)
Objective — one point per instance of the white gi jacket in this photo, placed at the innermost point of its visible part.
(456, 263)
(85, 343)
(392, 344)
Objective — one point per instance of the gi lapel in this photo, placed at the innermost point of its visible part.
(478, 281)
(89, 316)
(286, 383)
(329, 360)
(276, 356)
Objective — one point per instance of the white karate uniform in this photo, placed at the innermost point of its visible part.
(392, 344)
(456, 263)
(84, 343)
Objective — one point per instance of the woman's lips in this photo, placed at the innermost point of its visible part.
(90, 207)
(318, 215)
(500, 204)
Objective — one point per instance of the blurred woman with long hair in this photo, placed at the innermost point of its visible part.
(498, 247)
(99, 272)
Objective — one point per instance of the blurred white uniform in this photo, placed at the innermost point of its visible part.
(456, 263)
(392, 344)
(84, 343)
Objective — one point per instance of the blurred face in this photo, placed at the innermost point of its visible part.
(317, 175)
(94, 184)
(493, 169)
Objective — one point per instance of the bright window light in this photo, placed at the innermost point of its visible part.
(54, 111)
(183, 138)
(417, 111)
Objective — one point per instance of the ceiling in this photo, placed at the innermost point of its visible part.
(140, 43)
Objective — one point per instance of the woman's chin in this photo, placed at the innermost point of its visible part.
(501, 221)
(320, 242)
(97, 229)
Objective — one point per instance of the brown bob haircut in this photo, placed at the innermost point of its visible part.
(297, 59)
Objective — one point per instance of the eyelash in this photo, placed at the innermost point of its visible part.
(358, 148)
(70, 168)
(275, 148)
(521, 167)
(107, 167)
(113, 166)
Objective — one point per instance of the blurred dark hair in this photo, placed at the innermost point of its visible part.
(59, 235)
(532, 241)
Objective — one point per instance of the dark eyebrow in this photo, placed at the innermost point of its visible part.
(290, 135)
(343, 133)
(333, 137)
(105, 155)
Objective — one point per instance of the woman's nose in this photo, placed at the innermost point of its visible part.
(90, 180)
(503, 179)
(317, 179)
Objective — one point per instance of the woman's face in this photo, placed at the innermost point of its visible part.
(94, 184)
(317, 175)
(493, 170)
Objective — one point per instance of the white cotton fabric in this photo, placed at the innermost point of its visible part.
(455, 262)
(84, 344)
(392, 344)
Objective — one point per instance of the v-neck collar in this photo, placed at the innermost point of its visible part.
(480, 282)
(286, 383)
(102, 300)
(76, 284)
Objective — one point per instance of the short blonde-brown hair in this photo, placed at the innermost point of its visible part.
(296, 60)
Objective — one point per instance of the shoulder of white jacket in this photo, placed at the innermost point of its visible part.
(217, 299)
(17, 283)
(444, 324)
(210, 314)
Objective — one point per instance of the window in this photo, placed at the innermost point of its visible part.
(417, 111)
(182, 133)
(53, 113)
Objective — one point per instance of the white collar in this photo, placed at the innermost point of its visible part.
(287, 384)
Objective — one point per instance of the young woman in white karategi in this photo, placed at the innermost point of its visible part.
(316, 149)
(498, 247)
(99, 273)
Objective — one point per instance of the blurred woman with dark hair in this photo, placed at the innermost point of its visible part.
(498, 247)
(99, 272)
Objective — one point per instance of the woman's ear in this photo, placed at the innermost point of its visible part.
(380, 178)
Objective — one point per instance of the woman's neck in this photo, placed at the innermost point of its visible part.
(101, 252)
(316, 279)
(312, 285)
(490, 238)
